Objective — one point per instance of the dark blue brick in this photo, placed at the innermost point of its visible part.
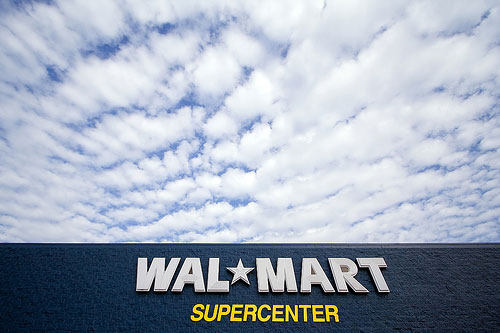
(62, 287)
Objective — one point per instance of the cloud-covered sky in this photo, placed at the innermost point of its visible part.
(225, 121)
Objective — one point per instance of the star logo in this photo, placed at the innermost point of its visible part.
(240, 272)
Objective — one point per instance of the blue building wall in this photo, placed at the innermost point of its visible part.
(92, 287)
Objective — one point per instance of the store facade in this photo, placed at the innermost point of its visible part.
(256, 287)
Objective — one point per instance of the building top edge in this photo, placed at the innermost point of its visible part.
(250, 245)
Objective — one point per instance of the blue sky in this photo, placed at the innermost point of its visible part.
(224, 121)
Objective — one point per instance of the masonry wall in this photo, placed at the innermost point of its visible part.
(92, 287)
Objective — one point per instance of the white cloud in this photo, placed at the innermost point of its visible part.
(132, 135)
(237, 183)
(220, 125)
(107, 19)
(255, 98)
(152, 12)
(216, 72)
(246, 49)
(221, 121)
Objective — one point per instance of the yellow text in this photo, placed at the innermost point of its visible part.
(322, 313)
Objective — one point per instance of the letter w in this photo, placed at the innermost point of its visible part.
(156, 272)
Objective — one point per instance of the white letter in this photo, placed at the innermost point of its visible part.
(344, 270)
(374, 265)
(190, 273)
(284, 272)
(312, 273)
(156, 272)
(213, 283)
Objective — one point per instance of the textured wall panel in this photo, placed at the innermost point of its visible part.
(92, 287)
